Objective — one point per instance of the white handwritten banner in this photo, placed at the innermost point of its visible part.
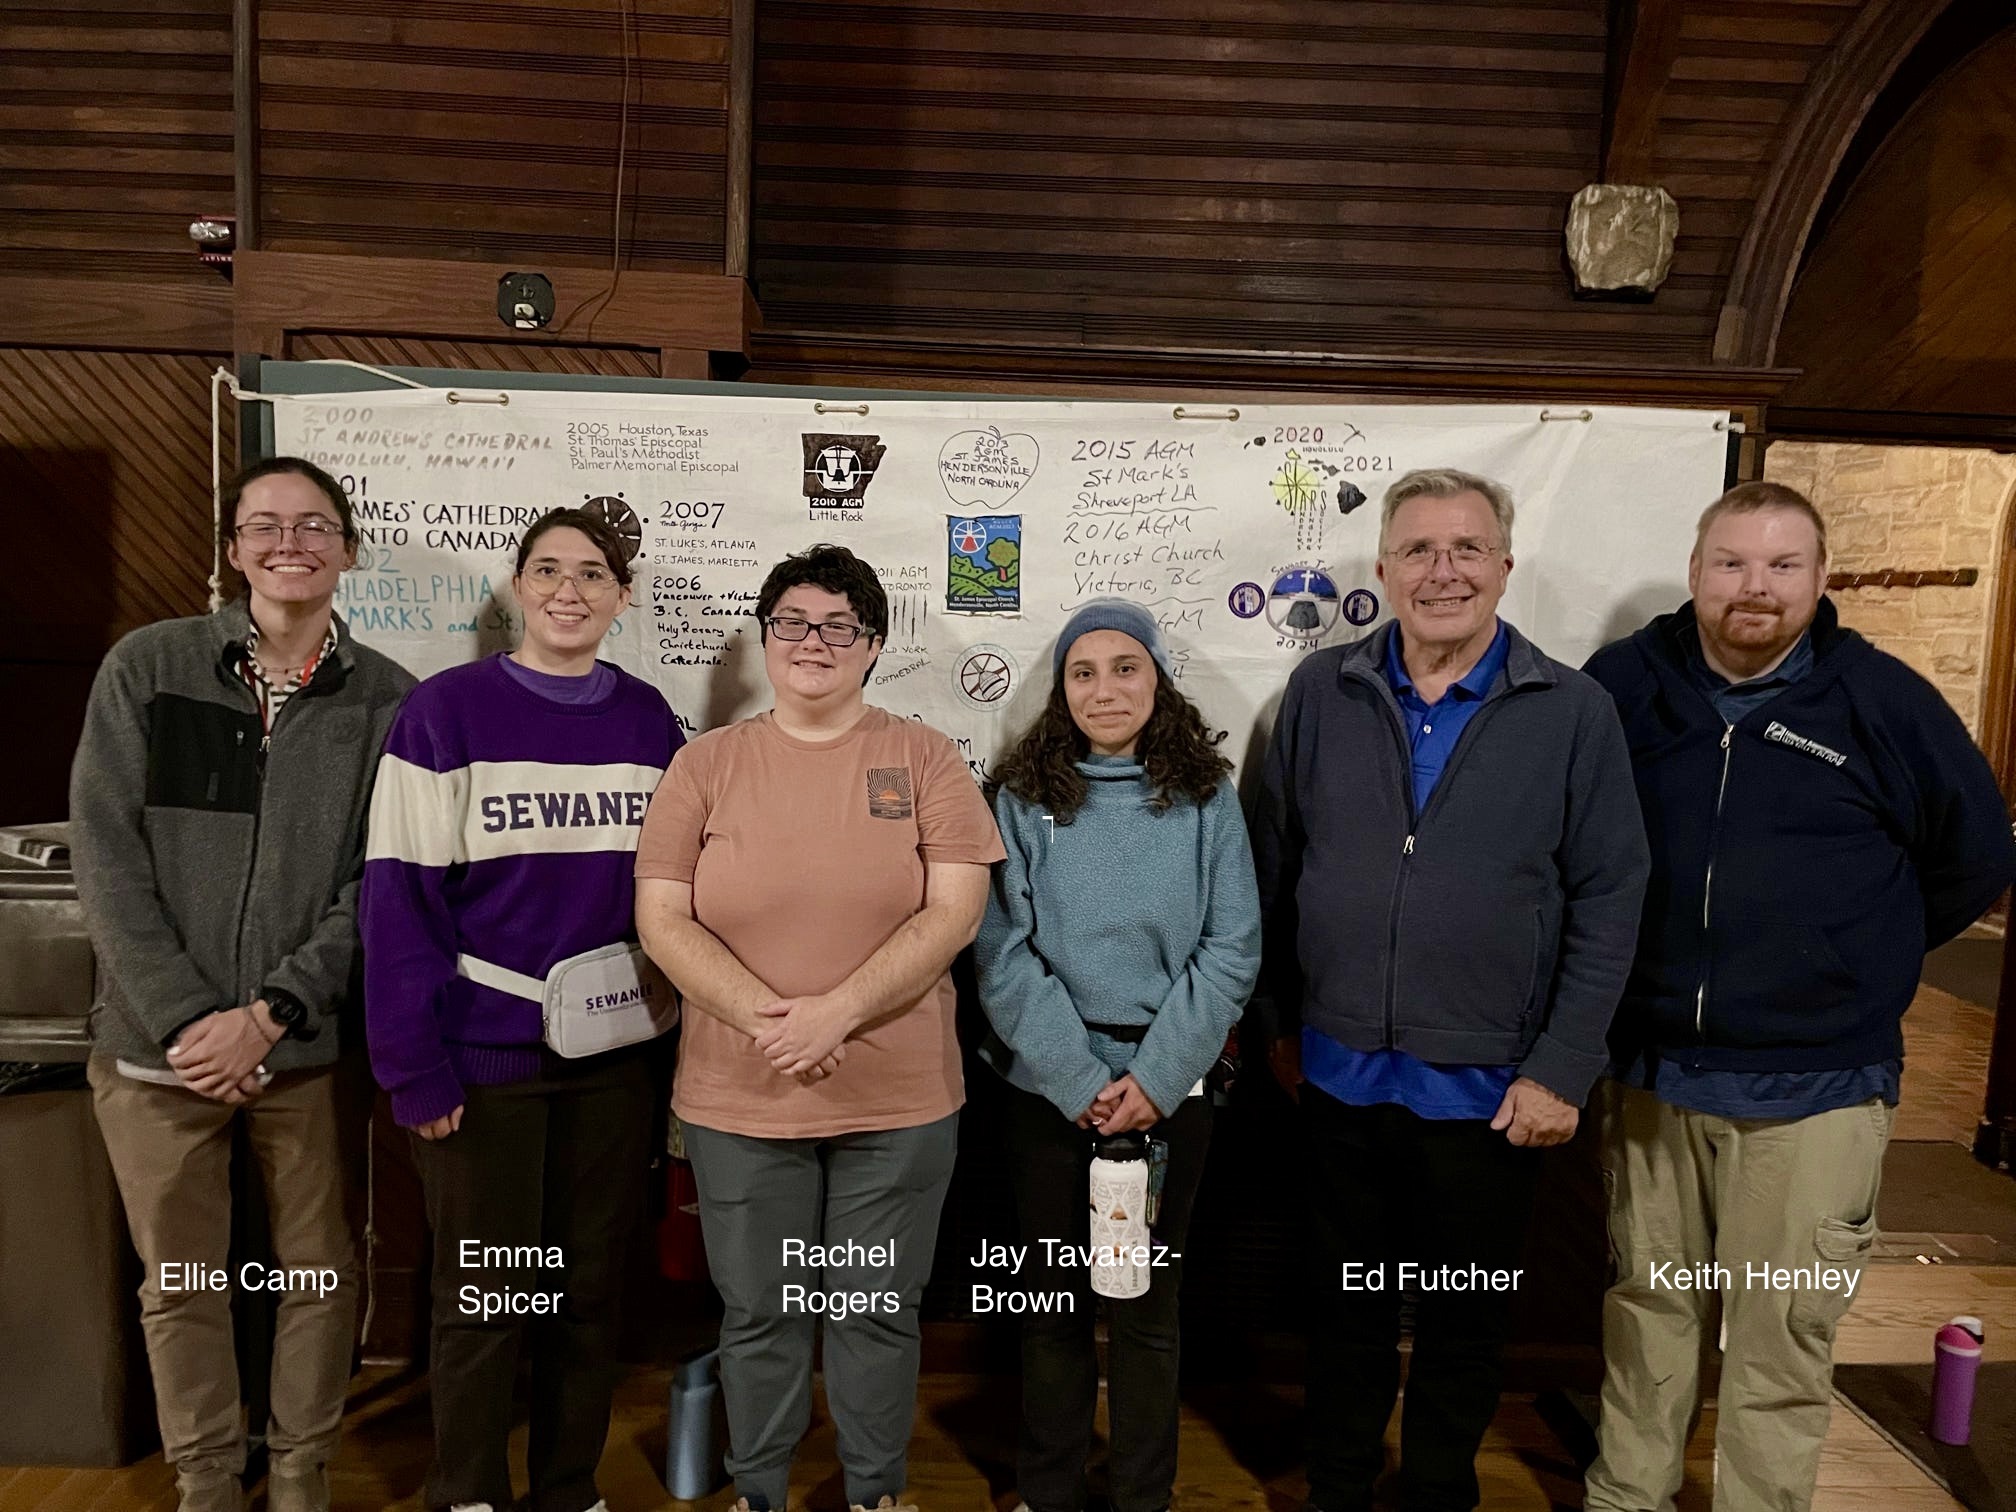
(1252, 540)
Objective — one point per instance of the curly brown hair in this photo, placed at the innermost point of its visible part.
(1175, 745)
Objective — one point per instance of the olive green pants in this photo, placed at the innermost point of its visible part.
(1764, 1223)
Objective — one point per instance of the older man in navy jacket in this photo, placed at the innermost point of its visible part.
(1818, 818)
(1450, 862)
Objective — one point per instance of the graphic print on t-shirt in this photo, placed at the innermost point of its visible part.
(889, 793)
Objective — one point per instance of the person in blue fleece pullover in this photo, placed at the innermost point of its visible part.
(1121, 941)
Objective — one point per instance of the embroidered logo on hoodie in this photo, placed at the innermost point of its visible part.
(1778, 732)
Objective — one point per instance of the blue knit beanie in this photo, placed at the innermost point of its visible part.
(1111, 614)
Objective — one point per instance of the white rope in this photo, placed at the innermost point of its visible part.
(217, 381)
(365, 367)
(220, 380)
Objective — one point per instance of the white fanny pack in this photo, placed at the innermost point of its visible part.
(598, 1000)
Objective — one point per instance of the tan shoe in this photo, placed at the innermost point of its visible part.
(303, 1489)
(887, 1504)
(209, 1491)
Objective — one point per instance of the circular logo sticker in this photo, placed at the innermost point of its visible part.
(985, 675)
(1302, 603)
(1246, 600)
(619, 517)
(839, 469)
(1361, 606)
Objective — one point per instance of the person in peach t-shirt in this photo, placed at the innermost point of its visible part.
(805, 879)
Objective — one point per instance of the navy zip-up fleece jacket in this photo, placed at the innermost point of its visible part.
(1851, 825)
(1493, 928)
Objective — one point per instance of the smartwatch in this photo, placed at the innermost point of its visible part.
(289, 1012)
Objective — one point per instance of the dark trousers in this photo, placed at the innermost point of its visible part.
(1392, 1187)
(1049, 1161)
(550, 1169)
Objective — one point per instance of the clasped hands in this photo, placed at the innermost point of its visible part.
(805, 1037)
(1121, 1109)
(218, 1056)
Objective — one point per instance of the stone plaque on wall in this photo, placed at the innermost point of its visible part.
(1620, 239)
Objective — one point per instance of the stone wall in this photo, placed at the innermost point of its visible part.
(1915, 508)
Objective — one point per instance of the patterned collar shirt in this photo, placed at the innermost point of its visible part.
(271, 696)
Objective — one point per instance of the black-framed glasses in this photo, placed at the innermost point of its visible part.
(791, 628)
(315, 533)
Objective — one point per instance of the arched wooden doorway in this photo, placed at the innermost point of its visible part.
(1903, 321)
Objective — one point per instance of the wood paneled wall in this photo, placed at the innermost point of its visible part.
(443, 128)
(1905, 315)
(481, 356)
(105, 470)
(115, 133)
(947, 194)
(1381, 177)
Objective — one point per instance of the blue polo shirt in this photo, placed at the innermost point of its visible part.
(1759, 1094)
(1365, 1077)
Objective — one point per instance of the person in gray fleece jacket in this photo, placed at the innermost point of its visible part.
(217, 806)
(1121, 941)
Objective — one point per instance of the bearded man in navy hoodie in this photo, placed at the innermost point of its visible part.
(1819, 818)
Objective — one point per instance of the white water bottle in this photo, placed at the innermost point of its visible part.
(1119, 1197)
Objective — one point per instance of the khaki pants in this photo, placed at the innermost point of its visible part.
(1721, 1199)
(171, 1155)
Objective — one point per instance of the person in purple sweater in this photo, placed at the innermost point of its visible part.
(502, 839)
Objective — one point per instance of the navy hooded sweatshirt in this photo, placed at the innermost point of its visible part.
(1804, 859)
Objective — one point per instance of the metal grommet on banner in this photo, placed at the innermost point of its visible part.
(1182, 412)
(822, 408)
(458, 398)
(1546, 415)
(1736, 426)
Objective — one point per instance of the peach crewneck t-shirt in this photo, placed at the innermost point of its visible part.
(804, 857)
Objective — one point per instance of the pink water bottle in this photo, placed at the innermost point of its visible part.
(1956, 1360)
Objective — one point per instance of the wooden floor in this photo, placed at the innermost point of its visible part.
(1239, 1449)
(1238, 1452)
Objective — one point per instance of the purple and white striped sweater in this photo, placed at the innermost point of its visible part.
(503, 826)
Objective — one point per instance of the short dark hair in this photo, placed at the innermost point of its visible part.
(837, 570)
(1753, 498)
(604, 539)
(273, 467)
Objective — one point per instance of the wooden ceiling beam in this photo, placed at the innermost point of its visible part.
(1644, 43)
(1811, 145)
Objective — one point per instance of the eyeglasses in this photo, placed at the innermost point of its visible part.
(1418, 560)
(545, 579)
(312, 534)
(797, 629)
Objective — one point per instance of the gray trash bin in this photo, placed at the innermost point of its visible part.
(74, 1388)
